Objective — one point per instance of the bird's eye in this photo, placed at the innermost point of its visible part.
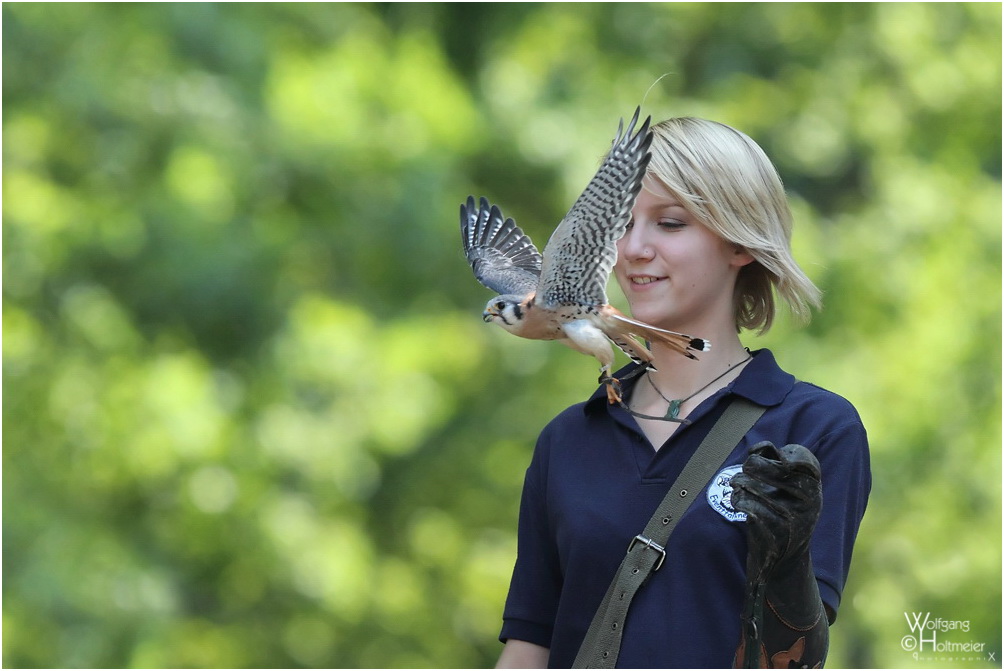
(500, 305)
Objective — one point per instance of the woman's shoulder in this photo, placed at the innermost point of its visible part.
(561, 439)
(570, 420)
(793, 399)
(819, 417)
(814, 397)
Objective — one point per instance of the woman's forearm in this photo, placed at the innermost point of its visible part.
(522, 655)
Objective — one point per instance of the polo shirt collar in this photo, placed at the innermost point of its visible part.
(761, 381)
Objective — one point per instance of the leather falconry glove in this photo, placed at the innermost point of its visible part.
(784, 623)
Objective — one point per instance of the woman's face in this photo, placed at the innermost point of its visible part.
(675, 272)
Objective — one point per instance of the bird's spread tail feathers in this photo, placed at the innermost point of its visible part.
(684, 344)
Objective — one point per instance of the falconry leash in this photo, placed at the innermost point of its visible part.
(647, 551)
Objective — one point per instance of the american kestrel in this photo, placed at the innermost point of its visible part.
(562, 295)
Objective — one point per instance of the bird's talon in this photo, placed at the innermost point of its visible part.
(613, 388)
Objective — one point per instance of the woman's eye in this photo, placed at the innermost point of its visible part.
(630, 224)
(671, 224)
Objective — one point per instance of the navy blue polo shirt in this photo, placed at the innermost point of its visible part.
(593, 483)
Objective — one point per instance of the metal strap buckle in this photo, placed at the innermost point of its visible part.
(652, 545)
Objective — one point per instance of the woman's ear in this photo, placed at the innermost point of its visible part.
(741, 257)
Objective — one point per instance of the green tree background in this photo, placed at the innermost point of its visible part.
(251, 415)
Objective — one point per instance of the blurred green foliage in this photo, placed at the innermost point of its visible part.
(252, 417)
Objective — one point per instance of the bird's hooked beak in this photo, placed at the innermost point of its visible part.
(489, 314)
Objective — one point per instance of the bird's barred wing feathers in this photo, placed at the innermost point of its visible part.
(583, 248)
(501, 255)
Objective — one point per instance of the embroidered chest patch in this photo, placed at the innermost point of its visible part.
(720, 494)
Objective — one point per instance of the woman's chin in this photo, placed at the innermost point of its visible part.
(654, 316)
(662, 318)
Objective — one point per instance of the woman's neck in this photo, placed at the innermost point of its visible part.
(677, 377)
(680, 384)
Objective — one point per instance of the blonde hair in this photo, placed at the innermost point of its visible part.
(726, 181)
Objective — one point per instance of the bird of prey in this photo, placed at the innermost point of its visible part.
(562, 294)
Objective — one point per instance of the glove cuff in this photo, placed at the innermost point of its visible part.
(784, 622)
(792, 592)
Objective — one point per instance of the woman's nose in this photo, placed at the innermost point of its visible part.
(634, 245)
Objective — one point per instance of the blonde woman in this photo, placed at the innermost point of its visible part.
(755, 567)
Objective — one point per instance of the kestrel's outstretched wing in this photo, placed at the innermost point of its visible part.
(583, 248)
(500, 253)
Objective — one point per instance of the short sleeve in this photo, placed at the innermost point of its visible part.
(532, 603)
(846, 480)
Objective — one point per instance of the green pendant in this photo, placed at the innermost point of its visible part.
(674, 409)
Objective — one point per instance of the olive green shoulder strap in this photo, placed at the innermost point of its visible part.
(646, 551)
